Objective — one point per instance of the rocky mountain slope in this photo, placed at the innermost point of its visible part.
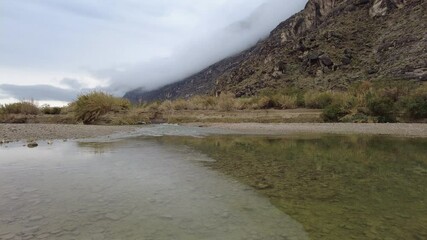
(328, 45)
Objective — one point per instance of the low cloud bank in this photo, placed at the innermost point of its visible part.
(203, 51)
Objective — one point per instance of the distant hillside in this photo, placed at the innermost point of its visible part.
(328, 45)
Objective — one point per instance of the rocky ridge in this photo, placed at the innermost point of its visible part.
(328, 45)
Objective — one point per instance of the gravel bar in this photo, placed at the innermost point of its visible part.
(16, 132)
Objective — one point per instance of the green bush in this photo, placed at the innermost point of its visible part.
(46, 109)
(89, 107)
(27, 108)
(415, 105)
(333, 113)
(382, 107)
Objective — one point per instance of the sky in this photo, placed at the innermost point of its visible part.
(53, 50)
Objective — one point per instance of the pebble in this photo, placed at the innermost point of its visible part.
(112, 216)
(43, 236)
(7, 236)
(98, 236)
(35, 218)
(56, 231)
(97, 230)
(29, 190)
(32, 145)
(167, 217)
(31, 229)
(70, 228)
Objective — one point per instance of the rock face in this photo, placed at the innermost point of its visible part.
(328, 45)
(382, 7)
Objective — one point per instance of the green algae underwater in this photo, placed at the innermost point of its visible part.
(336, 186)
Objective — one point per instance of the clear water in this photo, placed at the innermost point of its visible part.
(338, 187)
(134, 188)
(185, 183)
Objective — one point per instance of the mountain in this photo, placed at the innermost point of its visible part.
(328, 45)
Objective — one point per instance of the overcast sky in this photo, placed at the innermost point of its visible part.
(52, 50)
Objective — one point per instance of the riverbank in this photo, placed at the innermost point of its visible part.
(16, 132)
(398, 129)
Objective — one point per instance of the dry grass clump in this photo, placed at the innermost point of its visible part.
(202, 103)
(26, 108)
(286, 101)
(317, 100)
(90, 107)
(226, 102)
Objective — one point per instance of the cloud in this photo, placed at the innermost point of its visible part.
(39, 92)
(203, 51)
(72, 83)
(124, 44)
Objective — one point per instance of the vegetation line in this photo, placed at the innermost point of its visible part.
(363, 102)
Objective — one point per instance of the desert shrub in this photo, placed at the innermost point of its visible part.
(381, 106)
(46, 109)
(279, 94)
(152, 107)
(333, 113)
(202, 103)
(355, 118)
(226, 102)
(263, 102)
(166, 106)
(286, 101)
(345, 99)
(27, 108)
(317, 100)
(415, 105)
(89, 107)
(244, 103)
(180, 104)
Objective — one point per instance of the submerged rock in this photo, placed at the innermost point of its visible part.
(32, 145)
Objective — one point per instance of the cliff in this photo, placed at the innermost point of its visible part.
(328, 45)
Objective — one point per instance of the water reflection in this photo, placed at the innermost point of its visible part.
(338, 187)
(128, 189)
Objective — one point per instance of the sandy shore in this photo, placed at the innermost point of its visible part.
(398, 129)
(14, 132)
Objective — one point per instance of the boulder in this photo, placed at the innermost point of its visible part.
(345, 60)
(326, 60)
(372, 70)
(382, 7)
(313, 55)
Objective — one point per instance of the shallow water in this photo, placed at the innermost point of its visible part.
(185, 183)
(134, 188)
(338, 187)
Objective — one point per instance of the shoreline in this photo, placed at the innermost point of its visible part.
(32, 132)
(392, 129)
